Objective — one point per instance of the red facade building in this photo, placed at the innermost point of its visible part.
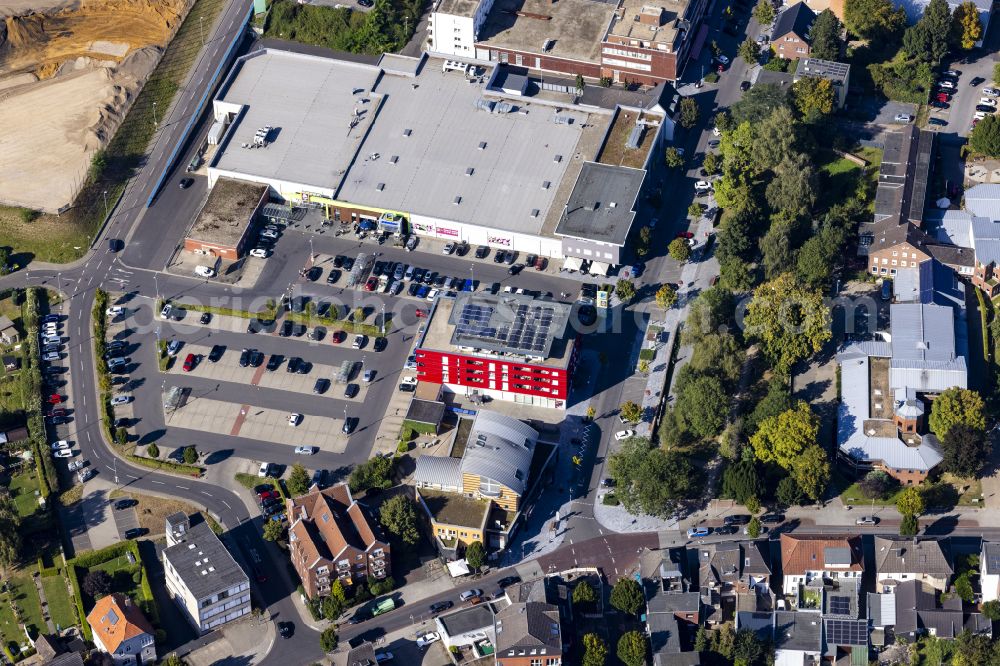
(508, 347)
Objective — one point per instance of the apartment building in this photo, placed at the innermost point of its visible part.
(202, 577)
(332, 538)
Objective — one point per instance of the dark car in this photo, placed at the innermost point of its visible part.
(304, 368)
(731, 30)
(286, 329)
(499, 257)
(412, 291)
(321, 386)
(507, 581)
(338, 261)
(293, 364)
(205, 318)
(314, 273)
(287, 629)
(509, 257)
(351, 390)
(348, 263)
(727, 529)
(114, 244)
(482, 252)
(772, 518)
(515, 269)
(186, 183)
(366, 3)
(124, 504)
(429, 277)
(317, 333)
(745, 86)
(298, 304)
(256, 358)
(58, 420)
(495, 288)
(133, 533)
(263, 488)
(607, 483)
(379, 344)
(940, 122)
(244, 358)
(738, 519)
(274, 362)
(977, 81)
(986, 108)
(441, 606)
(940, 105)
(333, 276)
(216, 353)
(350, 423)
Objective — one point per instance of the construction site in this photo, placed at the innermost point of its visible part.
(69, 72)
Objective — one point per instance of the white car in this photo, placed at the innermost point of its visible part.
(115, 310)
(716, 131)
(166, 311)
(259, 252)
(77, 464)
(264, 469)
(428, 638)
(61, 444)
(51, 356)
(63, 453)
(358, 341)
(305, 450)
(173, 347)
(116, 362)
(722, 59)
(448, 248)
(432, 294)
(469, 594)
(979, 115)
(294, 419)
(992, 92)
(269, 233)
(988, 101)
(903, 118)
(204, 271)
(624, 434)
(120, 400)
(946, 84)
(702, 186)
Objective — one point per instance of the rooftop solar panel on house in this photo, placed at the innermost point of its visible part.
(847, 632)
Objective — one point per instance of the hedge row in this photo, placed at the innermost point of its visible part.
(166, 465)
(983, 314)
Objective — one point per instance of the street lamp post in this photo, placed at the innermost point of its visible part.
(156, 283)
(201, 26)
(382, 321)
(106, 210)
(154, 114)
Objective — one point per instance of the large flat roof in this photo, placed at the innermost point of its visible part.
(310, 102)
(227, 211)
(573, 29)
(433, 152)
(602, 205)
(635, 17)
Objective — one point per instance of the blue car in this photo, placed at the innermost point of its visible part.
(423, 291)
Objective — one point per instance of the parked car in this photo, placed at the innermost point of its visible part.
(903, 118)
(469, 594)
(306, 450)
(738, 519)
(204, 271)
(624, 434)
(697, 532)
(260, 252)
(189, 363)
(866, 521)
(441, 606)
(449, 248)
(115, 310)
(702, 186)
(428, 638)
(772, 518)
(173, 347)
(321, 386)
(120, 400)
(244, 358)
(482, 252)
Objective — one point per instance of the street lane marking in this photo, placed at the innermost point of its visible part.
(206, 493)
(159, 482)
(183, 487)
(131, 477)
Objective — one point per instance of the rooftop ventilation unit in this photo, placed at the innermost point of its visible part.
(535, 212)
(469, 171)
(485, 105)
(380, 187)
(546, 184)
(407, 132)
(635, 137)
(557, 159)
(503, 107)
(562, 119)
(457, 200)
(482, 145)
(394, 159)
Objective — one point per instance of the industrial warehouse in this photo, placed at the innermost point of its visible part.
(439, 149)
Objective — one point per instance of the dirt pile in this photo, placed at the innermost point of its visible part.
(68, 73)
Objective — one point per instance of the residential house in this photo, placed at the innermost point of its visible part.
(202, 577)
(790, 37)
(331, 538)
(8, 332)
(673, 606)
(920, 609)
(122, 631)
(528, 634)
(975, 230)
(882, 616)
(845, 630)
(469, 627)
(806, 558)
(989, 571)
(798, 638)
(898, 560)
(481, 495)
(837, 73)
(361, 655)
(734, 576)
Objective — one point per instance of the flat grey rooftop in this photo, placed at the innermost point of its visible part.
(203, 562)
(576, 27)
(432, 152)
(310, 102)
(601, 205)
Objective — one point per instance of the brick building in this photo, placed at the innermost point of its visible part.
(331, 538)
(790, 38)
(226, 222)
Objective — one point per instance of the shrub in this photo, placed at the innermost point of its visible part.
(153, 451)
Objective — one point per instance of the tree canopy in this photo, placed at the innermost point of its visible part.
(595, 650)
(710, 312)
(475, 555)
(679, 249)
(910, 502)
(626, 596)
(966, 25)
(719, 354)
(874, 19)
(758, 102)
(398, 516)
(825, 32)
(632, 648)
(789, 320)
(966, 450)
(702, 405)
(689, 113)
(298, 480)
(985, 137)
(650, 480)
(957, 406)
(814, 97)
(783, 438)
(666, 296)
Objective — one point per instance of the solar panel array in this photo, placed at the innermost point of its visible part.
(847, 632)
(840, 605)
(527, 333)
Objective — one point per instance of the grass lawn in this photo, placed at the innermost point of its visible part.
(852, 495)
(23, 487)
(24, 595)
(61, 608)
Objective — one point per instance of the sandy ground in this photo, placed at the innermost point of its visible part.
(66, 79)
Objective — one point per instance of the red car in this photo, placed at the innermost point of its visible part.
(685, 234)
(421, 313)
(55, 398)
(942, 97)
(266, 495)
(337, 337)
(371, 284)
(189, 363)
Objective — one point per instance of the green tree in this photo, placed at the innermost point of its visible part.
(399, 518)
(695, 210)
(790, 321)
(973, 650)
(153, 451)
(812, 471)
(580, 83)
(788, 492)
(724, 641)
(331, 607)
(825, 33)
(719, 354)
(963, 587)
(374, 473)
(815, 260)
(740, 481)
(4, 260)
(764, 13)
(650, 480)
(298, 480)
(776, 138)
(173, 660)
(666, 296)
(630, 411)
(328, 640)
(991, 609)
(689, 113)
(910, 502)
(190, 455)
(595, 650)
(679, 249)
(701, 639)
(735, 275)
(874, 19)
(759, 102)
(793, 188)
(625, 290)
(673, 158)
(337, 592)
(783, 438)
(273, 531)
(711, 312)
(584, 595)
(750, 51)
(753, 527)
(10, 534)
(985, 137)
(475, 555)
(966, 450)
(957, 406)
(632, 648)
(813, 97)
(876, 484)
(97, 583)
(776, 401)
(626, 596)
(909, 525)
(711, 164)
(776, 246)
(702, 406)
(966, 26)
(724, 122)
(748, 649)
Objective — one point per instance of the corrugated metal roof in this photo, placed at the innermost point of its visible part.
(500, 449)
(439, 470)
(922, 332)
(983, 200)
